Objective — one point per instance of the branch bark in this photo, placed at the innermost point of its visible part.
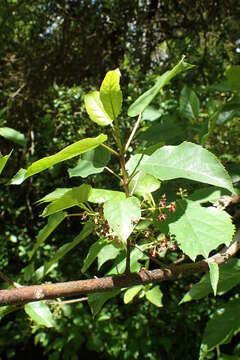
(31, 293)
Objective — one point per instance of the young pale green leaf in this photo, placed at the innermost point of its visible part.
(97, 300)
(3, 161)
(67, 153)
(95, 109)
(141, 184)
(40, 313)
(99, 196)
(122, 216)
(63, 250)
(52, 224)
(13, 135)
(93, 253)
(229, 276)
(130, 294)
(222, 326)
(108, 252)
(54, 195)
(145, 99)
(155, 295)
(214, 276)
(73, 197)
(189, 104)
(111, 94)
(92, 162)
(200, 230)
(189, 161)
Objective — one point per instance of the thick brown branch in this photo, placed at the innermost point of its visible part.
(26, 294)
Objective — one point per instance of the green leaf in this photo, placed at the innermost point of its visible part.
(200, 230)
(111, 94)
(3, 161)
(73, 197)
(155, 296)
(67, 153)
(108, 252)
(223, 325)
(151, 114)
(13, 135)
(228, 357)
(52, 224)
(207, 194)
(146, 98)
(97, 300)
(141, 184)
(122, 216)
(189, 104)
(229, 276)
(63, 250)
(92, 162)
(99, 196)
(189, 161)
(130, 294)
(93, 253)
(167, 131)
(214, 276)
(95, 109)
(54, 195)
(40, 313)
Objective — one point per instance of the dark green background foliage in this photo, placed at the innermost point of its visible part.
(51, 54)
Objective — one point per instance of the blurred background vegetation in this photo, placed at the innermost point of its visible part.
(51, 53)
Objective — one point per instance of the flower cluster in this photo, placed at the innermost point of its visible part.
(162, 207)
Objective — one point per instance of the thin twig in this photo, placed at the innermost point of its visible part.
(133, 132)
(114, 152)
(113, 173)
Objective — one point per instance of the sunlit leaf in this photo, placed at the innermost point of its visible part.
(95, 109)
(214, 276)
(73, 197)
(189, 161)
(122, 216)
(13, 135)
(40, 313)
(3, 161)
(155, 295)
(198, 229)
(130, 294)
(145, 99)
(111, 94)
(92, 162)
(99, 196)
(67, 153)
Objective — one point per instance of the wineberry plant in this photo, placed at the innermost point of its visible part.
(149, 230)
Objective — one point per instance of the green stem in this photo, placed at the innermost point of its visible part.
(110, 150)
(113, 173)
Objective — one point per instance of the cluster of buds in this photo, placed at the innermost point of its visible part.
(104, 230)
(167, 243)
(162, 206)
